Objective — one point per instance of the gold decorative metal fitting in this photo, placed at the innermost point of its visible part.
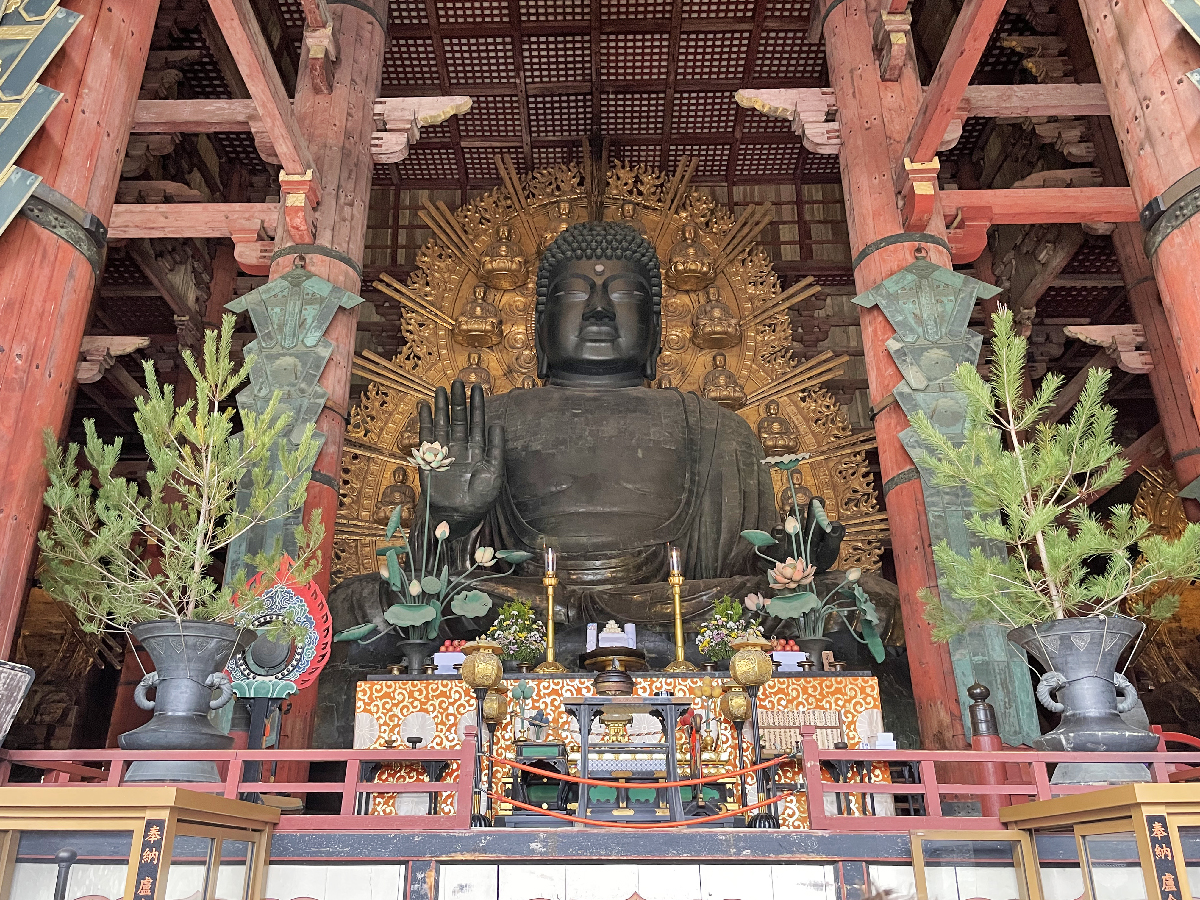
(482, 667)
(495, 705)
(735, 705)
(751, 664)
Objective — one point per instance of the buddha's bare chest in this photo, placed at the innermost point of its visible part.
(582, 453)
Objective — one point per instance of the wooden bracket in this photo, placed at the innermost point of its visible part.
(812, 112)
(919, 193)
(891, 34)
(98, 353)
(398, 121)
(300, 195)
(1121, 343)
(967, 234)
(251, 249)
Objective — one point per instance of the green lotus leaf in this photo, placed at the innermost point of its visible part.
(395, 573)
(394, 521)
(788, 465)
(759, 538)
(353, 634)
(409, 613)
(471, 604)
(513, 556)
(792, 606)
(431, 584)
(871, 637)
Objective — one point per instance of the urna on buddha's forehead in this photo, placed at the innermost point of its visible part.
(600, 240)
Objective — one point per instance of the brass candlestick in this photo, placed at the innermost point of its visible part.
(550, 666)
(679, 664)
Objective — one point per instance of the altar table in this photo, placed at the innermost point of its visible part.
(383, 703)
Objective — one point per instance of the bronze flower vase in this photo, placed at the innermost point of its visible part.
(189, 661)
(1080, 656)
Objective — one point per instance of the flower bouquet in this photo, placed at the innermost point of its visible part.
(424, 591)
(521, 636)
(792, 578)
(720, 630)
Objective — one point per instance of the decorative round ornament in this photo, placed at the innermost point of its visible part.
(751, 664)
(482, 667)
(417, 725)
(299, 661)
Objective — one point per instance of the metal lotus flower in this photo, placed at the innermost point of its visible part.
(791, 574)
(787, 462)
(431, 456)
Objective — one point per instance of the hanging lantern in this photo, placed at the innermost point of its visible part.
(735, 705)
(751, 664)
(482, 667)
(495, 706)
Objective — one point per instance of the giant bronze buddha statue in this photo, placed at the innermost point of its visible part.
(596, 463)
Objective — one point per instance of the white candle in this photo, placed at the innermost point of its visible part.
(676, 565)
(551, 561)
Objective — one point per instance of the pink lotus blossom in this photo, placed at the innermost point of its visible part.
(791, 574)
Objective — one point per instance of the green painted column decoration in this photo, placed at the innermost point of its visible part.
(31, 33)
(930, 306)
(290, 315)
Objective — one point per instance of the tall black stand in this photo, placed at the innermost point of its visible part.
(65, 859)
(478, 819)
(765, 818)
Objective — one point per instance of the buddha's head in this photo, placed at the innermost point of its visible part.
(473, 360)
(599, 306)
(771, 408)
(719, 360)
(480, 292)
(400, 475)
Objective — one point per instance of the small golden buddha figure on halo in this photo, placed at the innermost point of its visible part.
(475, 373)
(714, 326)
(398, 493)
(720, 385)
(410, 435)
(775, 432)
(560, 221)
(690, 267)
(803, 495)
(628, 216)
(479, 325)
(528, 383)
(502, 265)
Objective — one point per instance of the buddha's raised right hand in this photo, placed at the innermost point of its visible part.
(462, 493)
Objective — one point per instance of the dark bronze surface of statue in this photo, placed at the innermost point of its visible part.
(609, 471)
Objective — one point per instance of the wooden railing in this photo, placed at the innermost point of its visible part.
(1027, 778)
(936, 777)
(107, 768)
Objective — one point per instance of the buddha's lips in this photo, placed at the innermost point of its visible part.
(598, 331)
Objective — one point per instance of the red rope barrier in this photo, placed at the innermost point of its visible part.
(643, 826)
(704, 779)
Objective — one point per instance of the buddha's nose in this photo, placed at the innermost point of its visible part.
(599, 306)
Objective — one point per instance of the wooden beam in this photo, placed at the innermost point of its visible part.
(1069, 395)
(193, 116)
(1004, 100)
(97, 397)
(1036, 272)
(972, 29)
(254, 60)
(191, 220)
(1027, 206)
(1147, 450)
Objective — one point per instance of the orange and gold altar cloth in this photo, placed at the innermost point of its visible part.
(387, 712)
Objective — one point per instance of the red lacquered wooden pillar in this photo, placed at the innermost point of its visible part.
(875, 119)
(338, 127)
(46, 285)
